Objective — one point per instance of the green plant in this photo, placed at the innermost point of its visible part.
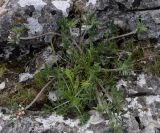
(15, 34)
(141, 28)
(89, 75)
(21, 96)
(43, 76)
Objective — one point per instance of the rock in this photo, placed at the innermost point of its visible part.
(126, 13)
(141, 80)
(143, 85)
(52, 96)
(142, 102)
(25, 76)
(132, 125)
(146, 112)
(139, 4)
(42, 16)
(42, 59)
(63, 6)
(2, 85)
(49, 124)
(38, 16)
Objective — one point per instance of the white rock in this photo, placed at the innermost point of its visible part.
(94, 119)
(150, 88)
(93, 2)
(25, 76)
(53, 119)
(152, 99)
(121, 83)
(38, 4)
(2, 85)
(52, 96)
(62, 5)
(49, 57)
(134, 103)
(131, 91)
(34, 26)
(88, 131)
(5, 117)
(2, 11)
(141, 80)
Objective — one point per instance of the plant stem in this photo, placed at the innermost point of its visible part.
(103, 89)
(38, 36)
(124, 35)
(112, 70)
(39, 94)
(61, 105)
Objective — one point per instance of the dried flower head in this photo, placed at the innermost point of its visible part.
(79, 6)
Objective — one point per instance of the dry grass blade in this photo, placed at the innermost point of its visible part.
(39, 94)
(38, 36)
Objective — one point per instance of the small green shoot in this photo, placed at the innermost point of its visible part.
(141, 28)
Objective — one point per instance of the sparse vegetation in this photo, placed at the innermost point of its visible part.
(87, 80)
(15, 34)
(43, 76)
(21, 96)
(87, 74)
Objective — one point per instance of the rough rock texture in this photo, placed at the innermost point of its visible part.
(38, 16)
(129, 11)
(142, 103)
(50, 124)
(41, 16)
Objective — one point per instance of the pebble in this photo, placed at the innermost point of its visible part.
(2, 85)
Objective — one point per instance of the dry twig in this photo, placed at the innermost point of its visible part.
(39, 94)
(38, 36)
(124, 35)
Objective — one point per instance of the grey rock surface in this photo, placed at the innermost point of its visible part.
(42, 16)
(38, 16)
(142, 103)
(40, 123)
(130, 11)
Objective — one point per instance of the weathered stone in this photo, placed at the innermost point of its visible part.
(42, 17)
(144, 85)
(139, 4)
(129, 12)
(142, 103)
(38, 16)
(50, 124)
(146, 113)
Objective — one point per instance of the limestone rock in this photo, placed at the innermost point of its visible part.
(49, 124)
(37, 15)
(142, 103)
